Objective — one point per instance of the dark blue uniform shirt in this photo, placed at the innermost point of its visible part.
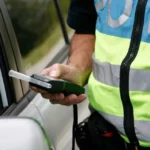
(82, 16)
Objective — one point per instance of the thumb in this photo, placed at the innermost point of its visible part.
(59, 70)
(63, 71)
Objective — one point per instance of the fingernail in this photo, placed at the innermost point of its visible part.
(53, 73)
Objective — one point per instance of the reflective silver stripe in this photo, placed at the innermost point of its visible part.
(100, 5)
(141, 127)
(109, 74)
(123, 18)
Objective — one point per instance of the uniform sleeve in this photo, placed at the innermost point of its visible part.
(82, 16)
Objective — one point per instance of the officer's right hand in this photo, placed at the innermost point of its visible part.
(65, 72)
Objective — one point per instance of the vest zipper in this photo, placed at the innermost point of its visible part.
(125, 69)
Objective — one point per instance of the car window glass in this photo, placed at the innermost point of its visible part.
(38, 31)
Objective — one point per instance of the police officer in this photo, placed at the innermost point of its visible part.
(111, 50)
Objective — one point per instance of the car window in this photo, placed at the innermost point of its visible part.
(38, 30)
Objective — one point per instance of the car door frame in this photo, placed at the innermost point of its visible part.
(22, 94)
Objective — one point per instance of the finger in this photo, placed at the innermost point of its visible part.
(46, 96)
(46, 71)
(65, 72)
(59, 70)
(53, 98)
(59, 96)
(38, 90)
(56, 98)
(73, 99)
(80, 98)
(56, 70)
(69, 100)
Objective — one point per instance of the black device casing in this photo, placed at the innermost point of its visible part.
(58, 85)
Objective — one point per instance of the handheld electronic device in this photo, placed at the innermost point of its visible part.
(51, 85)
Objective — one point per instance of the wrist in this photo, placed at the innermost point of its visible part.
(80, 75)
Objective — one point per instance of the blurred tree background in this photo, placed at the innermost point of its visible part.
(34, 21)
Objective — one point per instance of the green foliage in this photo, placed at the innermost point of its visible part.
(34, 21)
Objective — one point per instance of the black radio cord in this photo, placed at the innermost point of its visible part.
(75, 124)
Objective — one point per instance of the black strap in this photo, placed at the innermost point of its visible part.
(75, 124)
(125, 71)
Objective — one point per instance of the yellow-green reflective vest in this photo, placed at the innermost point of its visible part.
(119, 85)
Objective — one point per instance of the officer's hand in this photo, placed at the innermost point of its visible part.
(65, 72)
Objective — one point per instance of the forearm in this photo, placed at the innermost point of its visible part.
(80, 56)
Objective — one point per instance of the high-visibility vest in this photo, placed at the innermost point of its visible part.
(119, 85)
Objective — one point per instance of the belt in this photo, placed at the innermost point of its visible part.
(131, 147)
